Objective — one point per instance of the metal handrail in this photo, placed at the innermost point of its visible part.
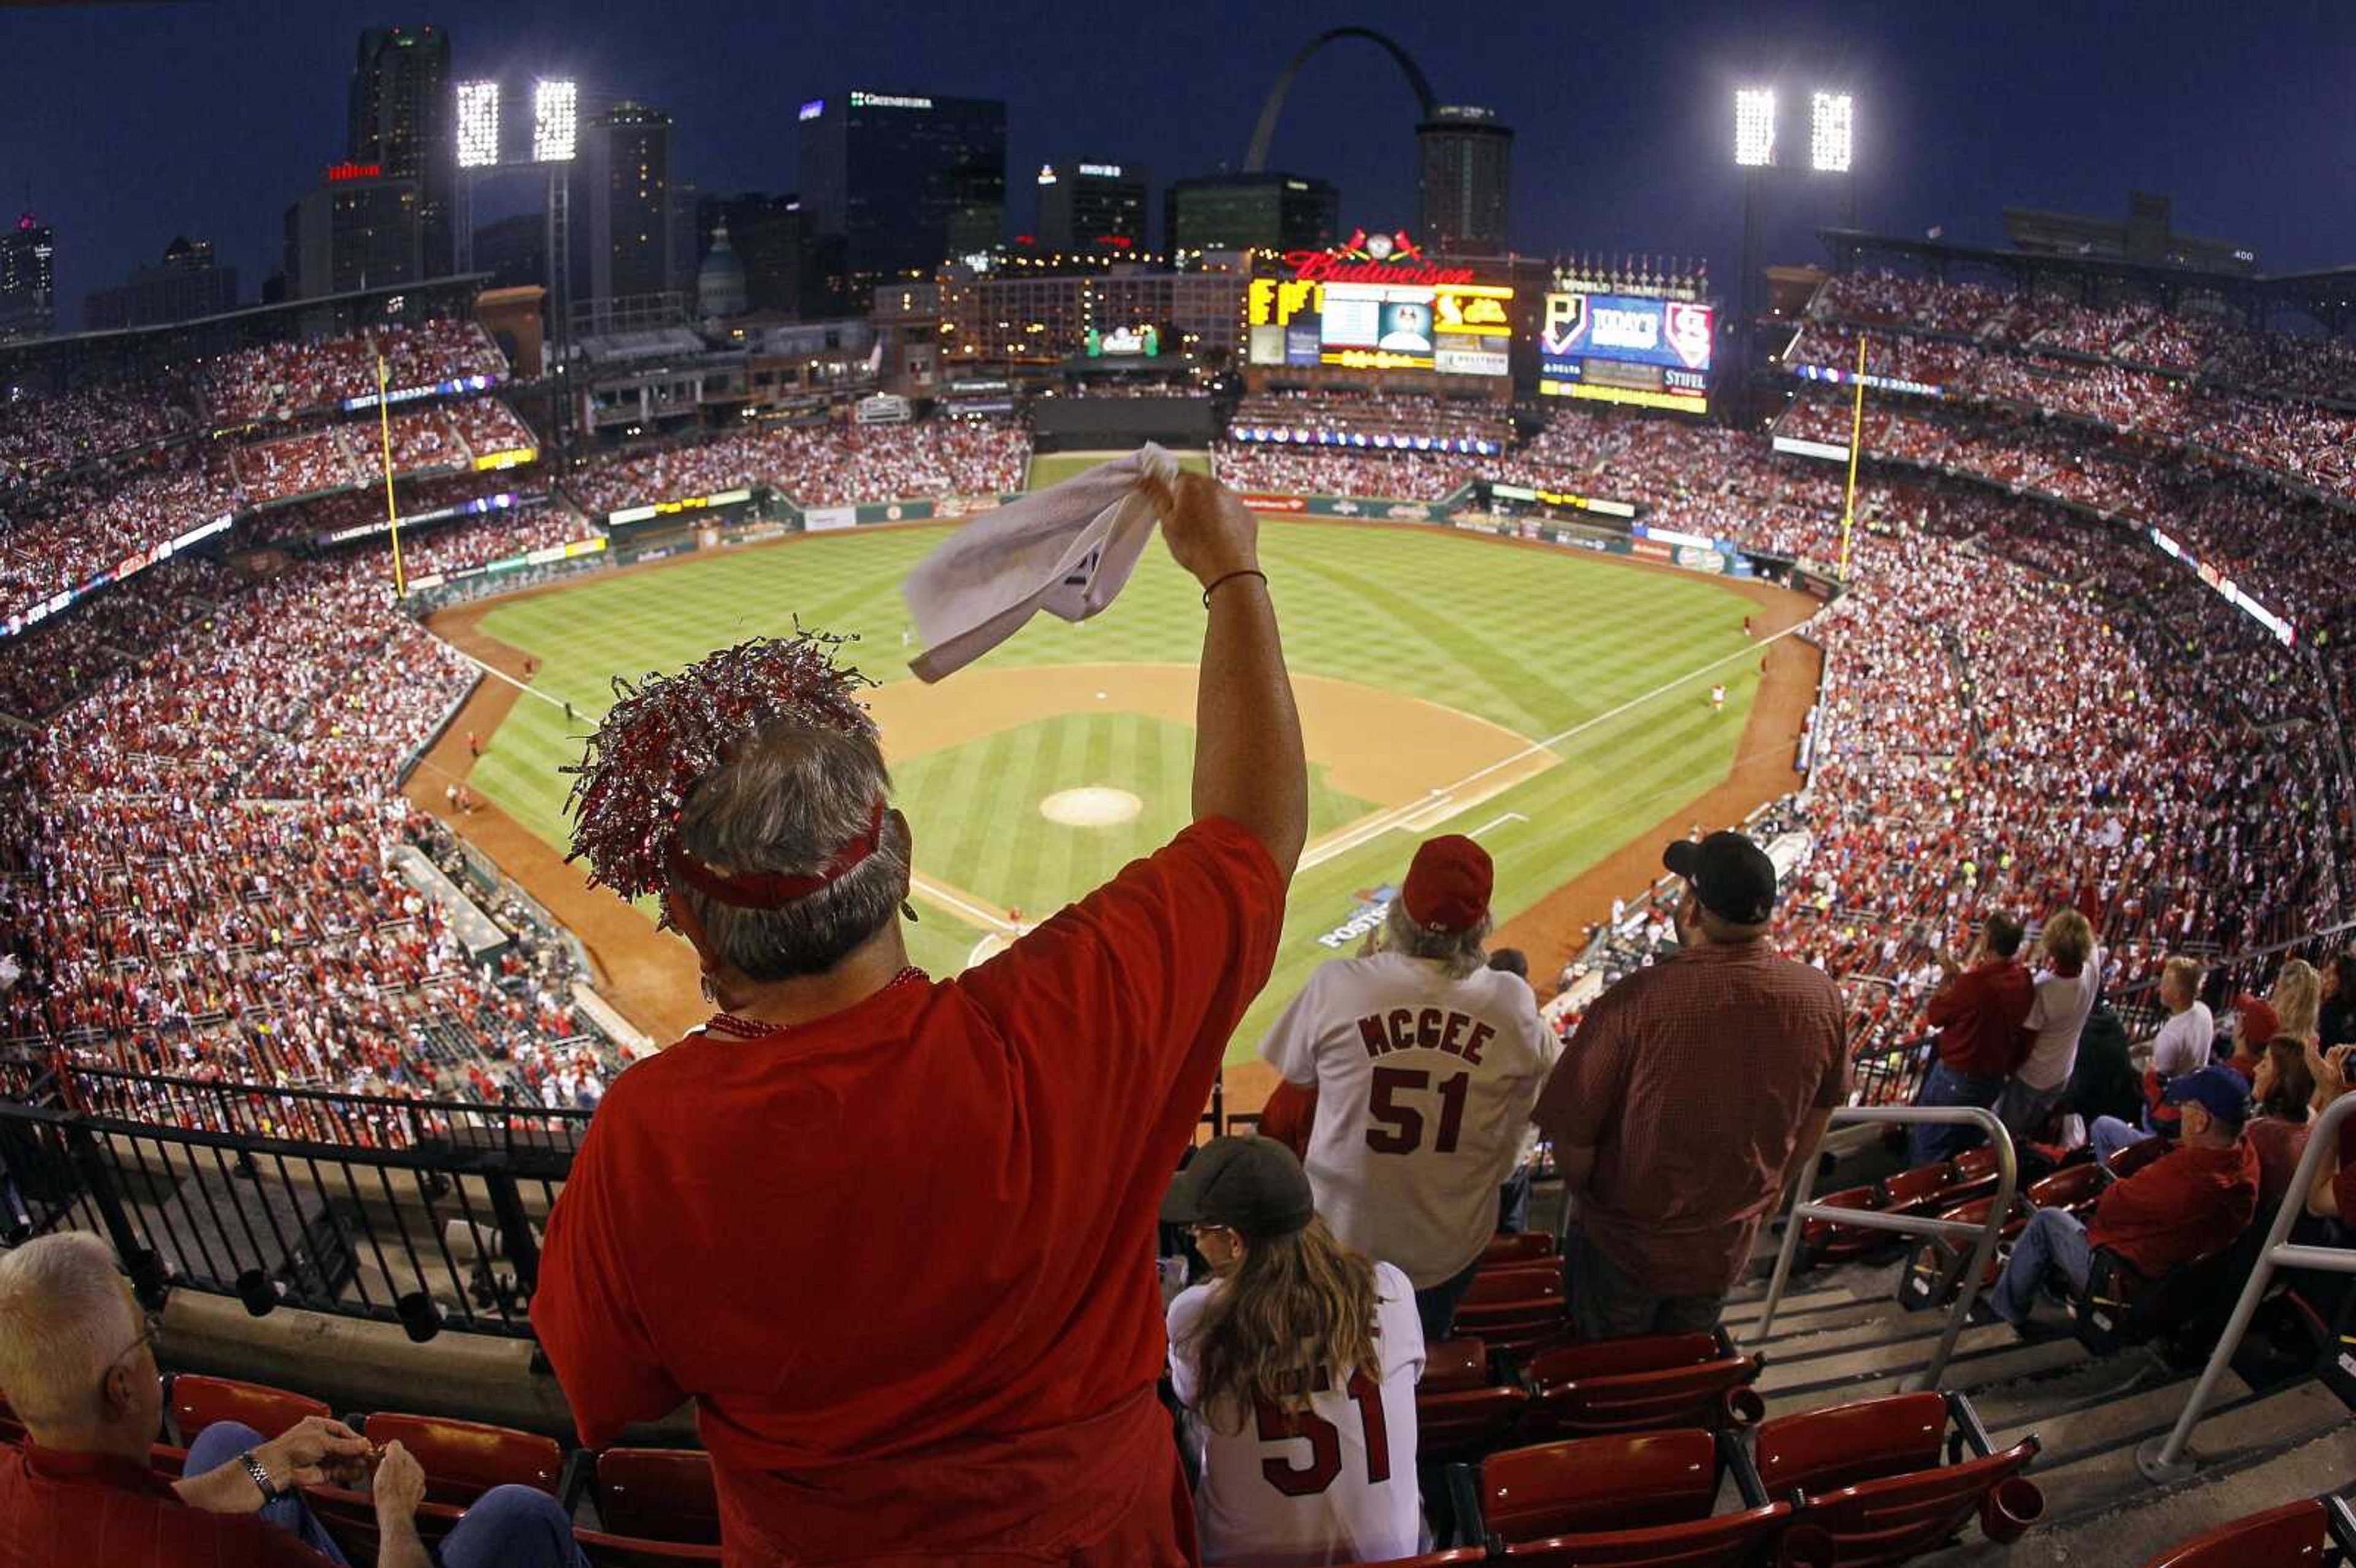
(2008, 1178)
(2168, 1459)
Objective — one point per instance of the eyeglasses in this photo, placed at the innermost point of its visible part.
(151, 1326)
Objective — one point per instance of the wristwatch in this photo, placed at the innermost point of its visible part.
(269, 1494)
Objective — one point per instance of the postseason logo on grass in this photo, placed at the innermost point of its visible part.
(1372, 907)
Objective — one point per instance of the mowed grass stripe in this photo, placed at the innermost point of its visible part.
(1535, 642)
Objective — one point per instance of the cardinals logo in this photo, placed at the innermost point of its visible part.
(1687, 327)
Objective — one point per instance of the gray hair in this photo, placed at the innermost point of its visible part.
(1458, 952)
(790, 797)
(65, 1318)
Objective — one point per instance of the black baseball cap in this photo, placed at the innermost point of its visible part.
(1732, 877)
(1251, 1185)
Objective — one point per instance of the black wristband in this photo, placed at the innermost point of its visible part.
(261, 1477)
(1230, 577)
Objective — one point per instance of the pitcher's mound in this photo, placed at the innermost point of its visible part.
(1094, 806)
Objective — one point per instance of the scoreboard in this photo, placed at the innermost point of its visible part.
(1374, 303)
(1627, 348)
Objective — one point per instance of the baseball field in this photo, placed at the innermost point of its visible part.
(1553, 704)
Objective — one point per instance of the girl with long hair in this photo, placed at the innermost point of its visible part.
(1296, 1363)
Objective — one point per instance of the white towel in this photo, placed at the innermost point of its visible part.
(1068, 550)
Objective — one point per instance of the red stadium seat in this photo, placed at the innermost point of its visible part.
(1516, 1308)
(658, 1494)
(1649, 1383)
(2296, 1535)
(2136, 1156)
(2072, 1188)
(1454, 1365)
(1934, 1264)
(1829, 1240)
(1517, 1247)
(196, 1402)
(1634, 1499)
(1868, 1476)
(1973, 1174)
(464, 1459)
(1910, 1191)
(1430, 1559)
(628, 1552)
(1465, 1424)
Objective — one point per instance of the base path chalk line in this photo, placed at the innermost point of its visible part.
(1398, 816)
(941, 894)
(1497, 822)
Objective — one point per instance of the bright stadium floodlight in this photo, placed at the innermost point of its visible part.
(478, 124)
(555, 121)
(1754, 127)
(1831, 133)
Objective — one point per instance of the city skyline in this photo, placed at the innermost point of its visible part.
(1624, 117)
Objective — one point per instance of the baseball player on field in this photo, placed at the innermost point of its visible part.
(1423, 1064)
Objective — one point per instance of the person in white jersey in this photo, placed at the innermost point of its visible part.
(1296, 1363)
(2067, 983)
(1425, 1065)
(2182, 1045)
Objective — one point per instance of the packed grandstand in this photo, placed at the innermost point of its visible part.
(211, 701)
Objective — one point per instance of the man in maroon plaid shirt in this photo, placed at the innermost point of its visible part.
(1690, 1094)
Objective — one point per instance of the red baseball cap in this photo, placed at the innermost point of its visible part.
(2259, 1023)
(1448, 883)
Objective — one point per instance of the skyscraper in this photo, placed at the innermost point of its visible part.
(1266, 211)
(1091, 206)
(888, 178)
(27, 276)
(620, 222)
(1463, 180)
(185, 286)
(402, 111)
(357, 230)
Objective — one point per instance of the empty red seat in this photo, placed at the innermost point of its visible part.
(1651, 1382)
(1514, 1307)
(608, 1551)
(1868, 1476)
(1465, 1424)
(1632, 1498)
(197, 1402)
(1934, 1264)
(1918, 1188)
(464, 1459)
(1431, 1559)
(2072, 1187)
(1517, 1247)
(2296, 1535)
(658, 1494)
(1453, 1365)
(1974, 1173)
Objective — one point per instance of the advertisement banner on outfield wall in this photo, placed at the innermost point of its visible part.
(1275, 503)
(818, 520)
(895, 511)
(1370, 507)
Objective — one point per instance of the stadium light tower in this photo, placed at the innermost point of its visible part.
(555, 121)
(1754, 127)
(478, 149)
(1831, 132)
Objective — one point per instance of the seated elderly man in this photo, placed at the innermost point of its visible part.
(77, 1364)
(2184, 1205)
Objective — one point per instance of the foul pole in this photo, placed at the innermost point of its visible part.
(1855, 435)
(393, 516)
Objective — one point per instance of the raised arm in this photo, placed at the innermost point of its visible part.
(1248, 766)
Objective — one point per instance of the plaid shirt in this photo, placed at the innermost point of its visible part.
(1690, 1080)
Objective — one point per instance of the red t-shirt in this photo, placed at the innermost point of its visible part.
(58, 1508)
(2184, 1205)
(903, 1257)
(1979, 1015)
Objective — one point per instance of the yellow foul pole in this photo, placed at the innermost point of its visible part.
(391, 516)
(1856, 439)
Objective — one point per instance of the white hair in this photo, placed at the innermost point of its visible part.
(65, 1318)
(1459, 953)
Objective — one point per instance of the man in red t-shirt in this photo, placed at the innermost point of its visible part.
(1979, 1009)
(2185, 1205)
(894, 1235)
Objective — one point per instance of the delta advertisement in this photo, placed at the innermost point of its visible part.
(1627, 348)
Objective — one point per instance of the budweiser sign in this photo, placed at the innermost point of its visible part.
(1367, 258)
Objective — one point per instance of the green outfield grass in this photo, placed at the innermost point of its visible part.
(1541, 643)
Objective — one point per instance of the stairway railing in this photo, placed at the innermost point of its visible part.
(2008, 1178)
(2164, 1460)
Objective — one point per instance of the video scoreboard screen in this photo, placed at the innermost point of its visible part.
(1627, 348)
(1374, 304)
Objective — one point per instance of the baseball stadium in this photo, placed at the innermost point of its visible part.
(1697, 912)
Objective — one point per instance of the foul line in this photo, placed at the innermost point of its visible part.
(495, 671)
(973, 911)
(1384, 821)
(1497, 821)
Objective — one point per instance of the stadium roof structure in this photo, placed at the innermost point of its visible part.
(2328, 298)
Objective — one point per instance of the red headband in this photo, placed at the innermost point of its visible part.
(772, 890)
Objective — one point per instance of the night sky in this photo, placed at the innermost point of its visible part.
(129, 123)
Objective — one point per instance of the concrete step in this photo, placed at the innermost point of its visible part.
(2095, 1521)
(2071, 1435)
(1977, 1365)
(2035, 1402)
(2235, 1435)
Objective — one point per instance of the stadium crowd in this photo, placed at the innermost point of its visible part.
(816, 465)
(1385, 419)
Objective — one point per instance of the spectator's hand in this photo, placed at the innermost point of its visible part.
(400, 1484)
(314, 1452)
(1211, 531)
(2331, 1071)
